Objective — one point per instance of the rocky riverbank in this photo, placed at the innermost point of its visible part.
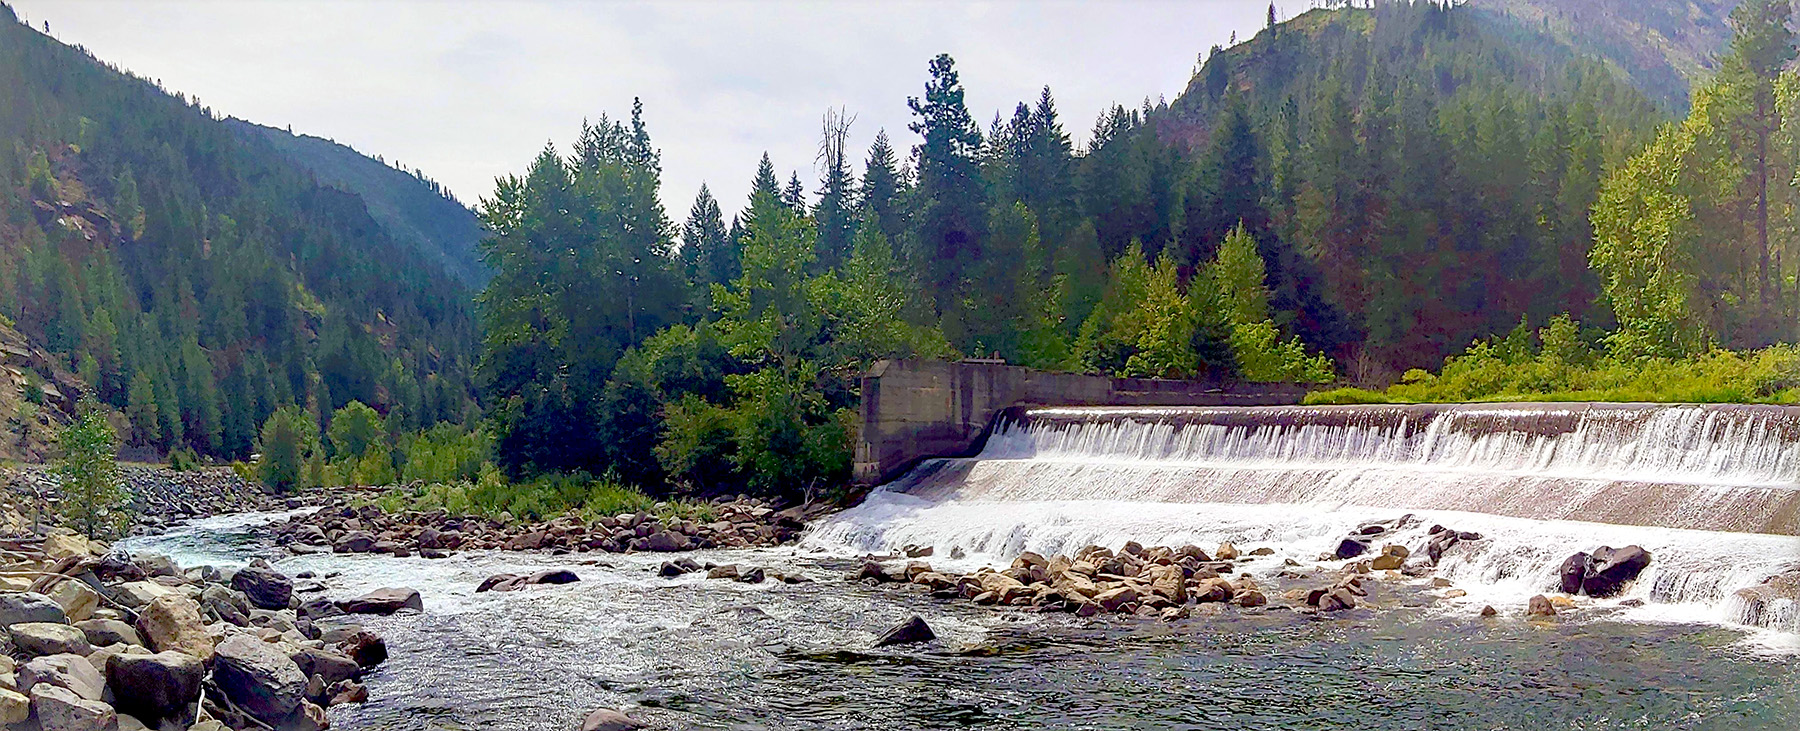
(101, 640)
(159, 496)
(340, 527)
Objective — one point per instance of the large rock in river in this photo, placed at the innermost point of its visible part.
(155, 687)
(266, 588)
(1574, 570)
(1613, 568)
(607, 719)
(910, 631)
(258, 677)
(384, 601)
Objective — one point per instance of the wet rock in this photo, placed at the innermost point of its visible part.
(670, 570)
(1574, 569)
(58, 709)
(1613, 568)
(48, 638)
(1113, 600)
(23, 606)
(1351, 547)
(752, 576)
(71, 672)
(607, 719)
(259, 678)
(1489, 611)
(173, 622)
(1337, 600)
(1540, 606)
(265, 588)
(910, 631)
(1765, 603)
(912, 551)
(363, 646)
(384, 601)
(553, 576)
(1252, 598)
(103, 632)
(354, 542)
(1226, 552)
(666, 541)
(330, 666)
(728, 571)
(497, 581)
(155, 687)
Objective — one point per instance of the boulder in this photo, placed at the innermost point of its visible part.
(155, 687)
(665, 541)
(71, 672)
(61, 545)
(173, 622)
(48, 638)
(265, 588)
(910, 631)
(384, 601)
(24, 606)
(365, 647)
(1226, 552)
(136, 594)
(1613, 568)
(1337, 600)
(156, 564)
(1540, 606)
(259, 677)
(57, 709)
(331, 666)
(607, 719)
(77, 599)
(1574, 569)
(354, 542)
(497, 582)
(15, 708)
(553, 576)
(103, 632)
(1351, 547)
(1113, 600)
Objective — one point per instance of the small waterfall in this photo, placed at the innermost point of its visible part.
(1712, 491)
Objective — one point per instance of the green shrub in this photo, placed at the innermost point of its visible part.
(93, 496)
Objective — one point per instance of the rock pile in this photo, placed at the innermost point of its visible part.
(105, 640)
(343, 528)
(159, 496)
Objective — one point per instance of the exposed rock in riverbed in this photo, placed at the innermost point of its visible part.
(339, 527)
(159, 497)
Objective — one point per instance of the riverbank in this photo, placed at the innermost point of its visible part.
(108, 639)
(158, 497)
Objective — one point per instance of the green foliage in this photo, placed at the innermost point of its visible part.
(288, 441)
(789, 442)
(355, 430)
(93, 496)
(1559, 363)
(447, 453)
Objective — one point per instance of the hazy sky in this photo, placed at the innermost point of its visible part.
(470, 91)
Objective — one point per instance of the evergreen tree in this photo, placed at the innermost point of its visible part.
(837, 193)
(950, 224)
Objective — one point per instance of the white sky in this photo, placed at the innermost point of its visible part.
(472, 90)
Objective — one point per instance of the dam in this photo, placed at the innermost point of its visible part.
(1713, 491)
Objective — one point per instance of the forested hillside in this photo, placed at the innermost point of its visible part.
(1353, 192)
(1663, 46)
(197, 280)
(411, 208)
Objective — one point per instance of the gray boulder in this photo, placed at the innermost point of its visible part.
(155, 687)
(71, 672)
(265, 588)
(258, 677)
(57, 709)
(48, 638)
(25, 606)
(384, 601)
(331, 666)
(607, 719)
(103, 632)
(907, 632)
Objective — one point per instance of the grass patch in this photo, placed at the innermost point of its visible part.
(490, 495)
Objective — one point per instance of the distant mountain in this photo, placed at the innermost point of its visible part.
(1663, 46)
(413, 209)
(199, 278)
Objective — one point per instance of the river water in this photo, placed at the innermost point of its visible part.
(690, 653)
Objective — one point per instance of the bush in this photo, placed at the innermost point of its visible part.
(288, 446)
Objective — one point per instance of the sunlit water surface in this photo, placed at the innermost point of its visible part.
(690, 653)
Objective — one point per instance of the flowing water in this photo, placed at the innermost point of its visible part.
(692, 653)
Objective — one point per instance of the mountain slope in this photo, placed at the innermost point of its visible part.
(197, 279)
(1663, 46)
(410, 208)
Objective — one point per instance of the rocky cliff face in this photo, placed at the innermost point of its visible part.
(37, 397)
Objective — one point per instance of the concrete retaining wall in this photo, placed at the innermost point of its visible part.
(914, 410)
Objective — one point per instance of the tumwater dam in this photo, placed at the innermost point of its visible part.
(1713, 491)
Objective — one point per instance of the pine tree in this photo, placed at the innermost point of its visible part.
(709, 250)
(834, 215)
(881, 187)
(950, 223)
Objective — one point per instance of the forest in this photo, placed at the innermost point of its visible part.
(1409, 202)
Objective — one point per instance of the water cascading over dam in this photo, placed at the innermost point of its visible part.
(1714, 490)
